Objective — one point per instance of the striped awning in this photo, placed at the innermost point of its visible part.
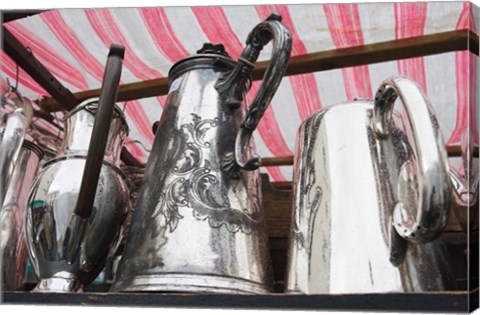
(73, 45)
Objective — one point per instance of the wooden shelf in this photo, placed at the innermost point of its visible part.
(444, 302)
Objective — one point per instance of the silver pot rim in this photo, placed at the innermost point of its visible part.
(118, 113)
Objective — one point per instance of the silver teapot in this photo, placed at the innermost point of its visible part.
(372, 194)
(13, 249)
(198, 225)
(79, 201)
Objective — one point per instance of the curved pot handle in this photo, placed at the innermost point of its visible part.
(232, 86)
(96, 149)
(427, 220)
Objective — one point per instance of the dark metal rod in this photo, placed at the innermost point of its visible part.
(25, 59)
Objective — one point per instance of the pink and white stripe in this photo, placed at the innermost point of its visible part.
(304, 86)
(89, 63)
(346, 31)
(466, 74)
(410, 21)
(73, 44)
(57, 64)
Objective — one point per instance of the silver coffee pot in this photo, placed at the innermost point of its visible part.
(372, 194)
(198, 225)
(13, 249)
(79, 201)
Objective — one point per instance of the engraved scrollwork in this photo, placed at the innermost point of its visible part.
(194, 183)
(310, 190)
(168, 204)
(198, 130)
(210, 201)
(190, 159)
(313, 196)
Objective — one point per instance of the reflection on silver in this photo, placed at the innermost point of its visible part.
(16, 115)
(53, 198)
(355, 171)
(13, 250)
(465, 176)
(198, 224)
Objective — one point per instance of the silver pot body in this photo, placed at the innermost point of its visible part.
(13, 249)
(198, 225)
(370, 200)
(52, 201)
(194, 227)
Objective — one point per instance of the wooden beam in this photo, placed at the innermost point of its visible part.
(318, 61)
(380, 52)
(453, 151)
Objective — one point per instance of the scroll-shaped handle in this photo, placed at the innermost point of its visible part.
(426, 219)
(96, 149)
(232, 87)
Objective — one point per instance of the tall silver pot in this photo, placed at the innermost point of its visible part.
(198, 224)
(372, 195)
(79, 201)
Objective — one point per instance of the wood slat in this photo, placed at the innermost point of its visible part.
(318, 61)
(453, 151)
(451, 301)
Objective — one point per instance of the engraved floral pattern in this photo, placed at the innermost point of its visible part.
(194, 183)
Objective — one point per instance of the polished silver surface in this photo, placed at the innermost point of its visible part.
(17, 113)
(465, 183)
(351, 177)
(198, 225)
(424, 186)
(53, 198)
(59, 282)
(13, 250)
(78, 131)
(465, 198)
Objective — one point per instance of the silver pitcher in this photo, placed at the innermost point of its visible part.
(13, 249)
(79, 200)
(371, 196)
(198, 224)
(16, 113)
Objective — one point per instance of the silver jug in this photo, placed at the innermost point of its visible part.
(13, 249)
(79, 201)
(198, 225)
(371, 196)
(16, 113)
